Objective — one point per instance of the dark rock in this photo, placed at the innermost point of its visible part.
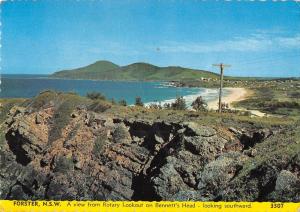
(287, 187)
(286, 181)
(121, 134)
(168, 182)
(99, 157)
(193, 129)
(207, 147)
(216, 174)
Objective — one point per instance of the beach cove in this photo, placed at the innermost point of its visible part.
(20, 86)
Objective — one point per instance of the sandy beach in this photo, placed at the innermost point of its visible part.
(235, 94)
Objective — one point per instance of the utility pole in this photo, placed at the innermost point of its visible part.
(222, 66)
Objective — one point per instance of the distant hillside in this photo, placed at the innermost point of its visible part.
(105, 70)
(96, 70)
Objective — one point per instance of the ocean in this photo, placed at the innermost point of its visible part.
(26, 86)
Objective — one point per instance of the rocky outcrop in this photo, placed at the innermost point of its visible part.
(100, 157)
(287, 186)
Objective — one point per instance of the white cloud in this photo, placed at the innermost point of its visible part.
(290, 42)
(253, 43)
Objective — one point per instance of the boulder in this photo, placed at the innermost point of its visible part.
(194, 129)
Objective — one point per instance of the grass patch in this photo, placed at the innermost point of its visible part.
(6, 105)
(273, 100)
(99, 144)
(64, 106)
(2, 138)
(43, 100)
(120, 133)
(65, 103)
(99, 106)
(95, 95)
(278, 149)
(64, 164)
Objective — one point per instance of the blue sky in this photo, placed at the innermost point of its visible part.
(256, 38)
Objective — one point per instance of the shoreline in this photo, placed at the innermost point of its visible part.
(207, 92)
(235, 95)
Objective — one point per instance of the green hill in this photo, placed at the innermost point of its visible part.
(94, 71)
(105, 70)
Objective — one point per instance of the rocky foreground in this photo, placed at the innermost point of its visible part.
(97, 156)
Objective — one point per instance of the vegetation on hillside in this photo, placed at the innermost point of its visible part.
(138, 101)
(199, 104)
(179, 104)
(64, 104)
(273, 97)
(281, 99)
(105, 70)
(123, 102)
(91, 71)
(6, 105)
(95, 95)
(99, 144)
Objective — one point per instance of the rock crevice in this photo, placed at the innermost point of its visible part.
(97, 157)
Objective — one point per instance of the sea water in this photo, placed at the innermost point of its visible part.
(26, 86)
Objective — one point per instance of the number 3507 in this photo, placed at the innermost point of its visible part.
(277, 205)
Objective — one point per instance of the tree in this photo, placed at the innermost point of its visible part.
(95, 95)
(123, 102)
(155, 106)
(138, 101)
(199, 104)
(224, 106)
(167, 106)
(179, 104)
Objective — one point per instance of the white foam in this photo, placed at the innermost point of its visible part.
(207, 94)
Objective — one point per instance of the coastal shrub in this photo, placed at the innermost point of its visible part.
(224, 106)
(72, 92)
(99, 144)
(72, 133)
(64, 105)
(2, 137)
(138, 101)
(273, 105)
(95, 95)
(266, 93)
(155, 106)
(99, 106)
(63, 164)
(243, 113)
(113, 101)
(179, 104)
(42, 100)
(4, 109)
(60, 119)
(199, 104)
(120, 133)
(167, 106)
(295, 94)
(123, 102)
(284, 108)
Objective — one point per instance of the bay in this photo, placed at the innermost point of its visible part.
(26, 86)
